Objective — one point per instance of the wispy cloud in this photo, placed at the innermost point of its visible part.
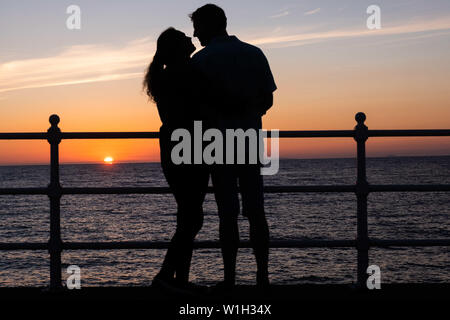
(78, 64)
(95, 63)
(297, 39)
(281, 14)
(308, 13)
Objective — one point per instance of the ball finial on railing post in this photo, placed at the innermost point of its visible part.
(361, 133)
(360, 117)
(54, 133)
(54, 119)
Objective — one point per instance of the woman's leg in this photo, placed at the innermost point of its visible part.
(188, 228)
(188, 185)
(190, 220)
(168, 267)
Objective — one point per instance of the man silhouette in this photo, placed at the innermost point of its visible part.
(237, 88)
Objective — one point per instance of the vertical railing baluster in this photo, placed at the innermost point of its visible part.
(362, 191)
(54, 194)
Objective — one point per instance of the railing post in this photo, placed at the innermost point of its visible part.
(54, 194)
(362, 191)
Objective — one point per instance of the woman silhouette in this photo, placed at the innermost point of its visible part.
(170, 83)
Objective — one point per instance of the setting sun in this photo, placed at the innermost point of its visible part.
(108, 160)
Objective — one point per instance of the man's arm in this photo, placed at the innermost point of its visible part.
(267, 84)
(264, 103)
(268, 102)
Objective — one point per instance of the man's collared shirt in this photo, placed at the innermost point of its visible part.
(235, 76)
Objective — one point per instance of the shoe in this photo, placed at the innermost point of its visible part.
(192, 287)
(262, 280)
(263, 287)
(172, 287)
(163, 283)
(263, 284)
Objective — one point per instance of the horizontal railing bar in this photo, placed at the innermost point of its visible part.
(205, 244)
(409, 243)
(164, 245)
(23, 135)
(306, 243)
(118, 190)
(109, 135)
(7, 246)
(409, 133)
(165, 190)
(282, 134)
(29, 191)
(410, 188)
(316, 134)
(323, 188)
(267, 189)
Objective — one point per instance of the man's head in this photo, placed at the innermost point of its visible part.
(209, 21)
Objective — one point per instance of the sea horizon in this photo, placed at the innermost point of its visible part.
(280, 159)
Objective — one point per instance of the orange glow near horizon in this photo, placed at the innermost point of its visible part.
(147, 150)
(86, 109)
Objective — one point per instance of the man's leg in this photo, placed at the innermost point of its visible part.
(251, 184)
(224, 181)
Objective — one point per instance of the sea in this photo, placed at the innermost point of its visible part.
(324, 216)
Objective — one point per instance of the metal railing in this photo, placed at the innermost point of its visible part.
(362, 188)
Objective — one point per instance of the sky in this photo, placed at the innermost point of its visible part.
(327, 64)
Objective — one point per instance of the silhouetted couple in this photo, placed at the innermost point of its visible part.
(226, 85)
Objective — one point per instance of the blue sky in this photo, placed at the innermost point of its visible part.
(36, 29)
(29, 28)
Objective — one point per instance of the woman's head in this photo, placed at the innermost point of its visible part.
(172, 47)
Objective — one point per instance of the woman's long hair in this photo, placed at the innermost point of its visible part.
(166, 50)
